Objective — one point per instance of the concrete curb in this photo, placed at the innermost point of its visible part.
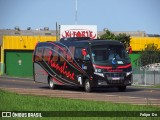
(17, 78)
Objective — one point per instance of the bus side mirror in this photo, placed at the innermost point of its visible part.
(84, 52)
(129, 50)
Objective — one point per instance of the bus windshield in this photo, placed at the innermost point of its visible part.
(109, 54)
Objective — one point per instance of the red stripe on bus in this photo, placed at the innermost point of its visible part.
(126, 66)
(102, 67)
(57, 81)
(109, 67)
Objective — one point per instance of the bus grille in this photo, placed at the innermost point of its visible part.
(115, 78)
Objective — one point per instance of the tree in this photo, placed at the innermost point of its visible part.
(108, 35)
(122, 37)
(150, 55)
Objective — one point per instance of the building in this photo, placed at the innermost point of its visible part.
(131, 33)
(16, 48)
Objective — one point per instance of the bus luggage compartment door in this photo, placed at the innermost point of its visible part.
(40, 75)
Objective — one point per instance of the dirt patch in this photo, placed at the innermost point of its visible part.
(85, 96)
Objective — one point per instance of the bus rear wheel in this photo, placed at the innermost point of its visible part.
(87, 86)
(51, 84)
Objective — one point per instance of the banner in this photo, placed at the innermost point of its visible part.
(78, 31)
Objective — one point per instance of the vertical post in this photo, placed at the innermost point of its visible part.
(154, 77)
(59, 31)
(56, 31)
(2, 57)
(76, 14)
(145, 76)
(1, 60)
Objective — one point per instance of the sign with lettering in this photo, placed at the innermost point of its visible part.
(78, 31)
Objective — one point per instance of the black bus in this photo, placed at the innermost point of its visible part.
(82, 62)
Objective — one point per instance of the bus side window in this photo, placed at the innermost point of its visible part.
(47, 54)
(55, 54)
(63, 54)
(38, 54)
(70, 53)
(78, 54)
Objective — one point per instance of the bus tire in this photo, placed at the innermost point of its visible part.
(122, 88)
(51, 84)
(87, 86)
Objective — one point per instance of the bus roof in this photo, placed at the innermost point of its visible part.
(84, 41)
(93, 41)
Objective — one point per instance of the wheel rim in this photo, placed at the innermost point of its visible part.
(51, 83)
(87, 85)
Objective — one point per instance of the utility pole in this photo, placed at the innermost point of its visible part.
(76, 13)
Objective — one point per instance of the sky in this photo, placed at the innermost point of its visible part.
(115, 15)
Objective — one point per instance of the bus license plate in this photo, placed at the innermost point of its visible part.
(115, 78)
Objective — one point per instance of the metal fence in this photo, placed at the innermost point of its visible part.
(146, 77)
(0, 68)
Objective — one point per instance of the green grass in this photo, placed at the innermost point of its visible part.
(15, 102)
(155, 86)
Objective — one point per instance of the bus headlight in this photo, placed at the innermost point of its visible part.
(128, 73)
(98, 70)
(99, 74)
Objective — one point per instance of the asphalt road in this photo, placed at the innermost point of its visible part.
(133, 95)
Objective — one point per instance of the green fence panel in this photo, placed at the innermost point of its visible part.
(133, 57)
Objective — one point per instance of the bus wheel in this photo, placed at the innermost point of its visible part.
(122, 88)
(51, 84)
(87, 86)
